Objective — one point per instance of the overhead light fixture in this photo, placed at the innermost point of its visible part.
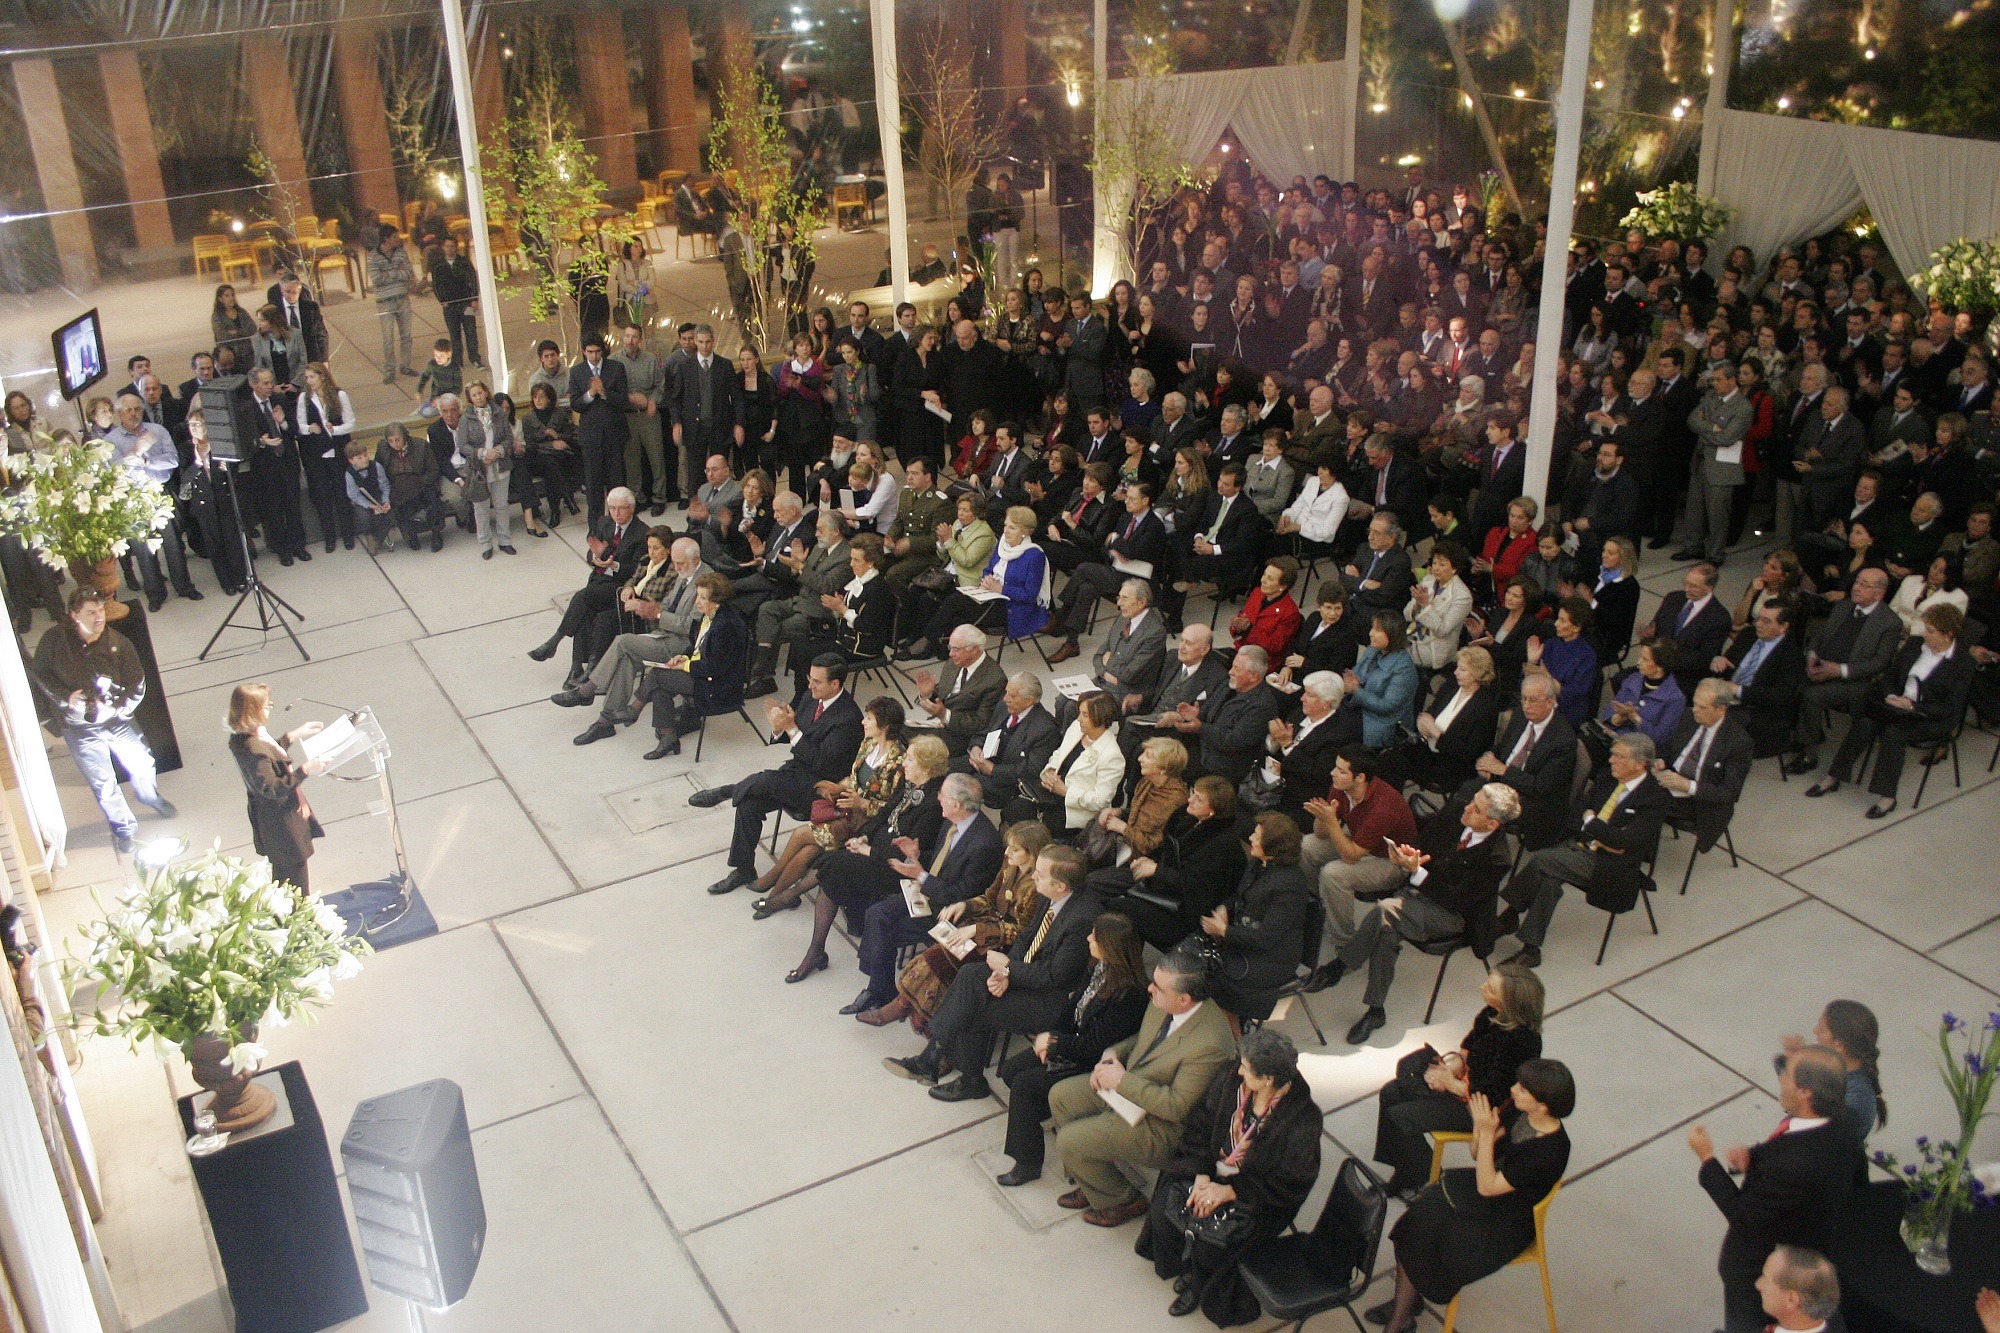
(1379, 107)
(1520, 92)
(1784, 104)
(1409, 160)
(1680, 113)
(1869, 54)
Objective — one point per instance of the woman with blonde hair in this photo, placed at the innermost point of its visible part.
(1135, 828)
(282, 826)
(483, 449)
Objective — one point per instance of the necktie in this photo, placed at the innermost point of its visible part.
(1221, 512)
(1696, 752)
(1687, 614)
(818, 708)
(292, 315)
(1526, 745)
(1784, 1128)
(1041, 933)
(1131, 524)
(944, 850)
(1465, 840)
(1611, 802)
(1166, 1029)
(1746, 671)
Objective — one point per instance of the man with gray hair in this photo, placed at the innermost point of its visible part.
(617, 550)
(1020, 739)
(1233, 723)
(1617, 832)
(959, 699)
(1704, 764)
(1379, 577)
(145, 447)
(1299, 754)
(1799, 1290)
(1133, 653)
(1454, 868)
(1230, 445)
(790, 538)
(666, 599)
(1852, 647)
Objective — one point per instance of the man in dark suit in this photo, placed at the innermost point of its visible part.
(1083, 343)
(1387, 481)
(1103, 443)
(791, 534)
(1828, 466)
(1301, 751)
(1917, 701)
(973, 370)
(1617, 830)
(1765, 665)
(1854, 645)
(1679, 396)
(1503, 469)
(864, 613)
(598, 396)
(1373, 303)
(1455, 871)
(1973, 393)
(1024, 990)
(1006, 480)
(1602, 503)
(1704, 765)
(961, 866)
(1138, 549)
(1225, 543)
(302, 312)
(1696, 621)
(617, 548)
(1379, 577)
(1786, 1190)
(273, 470)
(1233, 723)
(1020, 738)
(824, 731)
(960, 698)
(698, 401)
(1536, 756)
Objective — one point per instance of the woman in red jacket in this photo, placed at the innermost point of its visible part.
(1500, 558)
(1270, 618)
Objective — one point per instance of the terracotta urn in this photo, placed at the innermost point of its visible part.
(103, 576)
(239, 1104)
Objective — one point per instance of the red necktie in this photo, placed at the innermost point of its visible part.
(1784, 1128)
(818, 708)
(1465, 840)
(1130, 525)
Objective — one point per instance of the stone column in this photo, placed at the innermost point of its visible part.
(274, 110)
(138, 153)
(1013, 43)
(357, 79)
(55, 168)
(670, 103)
(607, 98)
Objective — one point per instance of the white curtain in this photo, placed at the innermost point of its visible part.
(1787, 179)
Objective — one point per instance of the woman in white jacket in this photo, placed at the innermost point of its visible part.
(1321, 506)
(1438, 607)
(1083, 774)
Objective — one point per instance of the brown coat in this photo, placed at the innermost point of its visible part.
(282, 825)
(1153, 804)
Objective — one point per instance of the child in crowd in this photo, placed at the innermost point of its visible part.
(443, 375)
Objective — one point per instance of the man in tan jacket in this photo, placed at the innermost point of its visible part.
(1182, 1044)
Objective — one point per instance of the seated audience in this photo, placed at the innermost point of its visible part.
(1648, 699)
(1852, 647)
(367, 483)
(1438, 607)
(1454, 731)
(1384, 681)
(1800, 1292)
(1613, 598)
(1121, 832)
(1704, 763)
(706, 680)
(1536, 756)
(995, 919)
(1270, 618)
(1696, 620)
(1298, 754)
(1258, 935)
(840, 807)
(864, 613)
(1937, 585)
(959, 700)
(1195, 867)
(1136, 548)
(618, 549)
(1081, 777)
(1015, 577)
(1767, 669)
(1330, 640)
(1348, 849)
(796, 612)
(1569, 657)
(1020, 738)
(1129, 664)
(1917, 701)
(1248, 1155)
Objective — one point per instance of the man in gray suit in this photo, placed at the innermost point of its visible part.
(1854, 645)
(960, 700)
(1829, 466)
(617, 671)
(1134, 651)
(1195, 672)
(1083, 341)
(821, 570)
(698, 402)
(1719, 424)
(1020, 739)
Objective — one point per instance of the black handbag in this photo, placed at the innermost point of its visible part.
(1220, 1228)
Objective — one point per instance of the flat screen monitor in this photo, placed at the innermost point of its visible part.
(80, 359)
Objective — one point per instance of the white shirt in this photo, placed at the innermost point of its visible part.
(853, 593)
(965, 674)
(1174, 1023)
(1530, 735)
(1423, 873)
(1927, 662)
(1697, 745)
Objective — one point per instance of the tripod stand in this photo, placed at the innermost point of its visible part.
(271, 608)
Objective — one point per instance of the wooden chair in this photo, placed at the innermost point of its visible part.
(307, 228)
(209, 249)
(411, 211)
(507, 249)
(852, 198)
(1537, 1253)
(240, 256)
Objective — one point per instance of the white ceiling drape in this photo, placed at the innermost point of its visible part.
(1786, 179)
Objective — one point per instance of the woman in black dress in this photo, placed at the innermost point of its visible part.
(1431, 1091)
(920, 432)
(1259, 935)
(1250, 1150)
(1198, 862)
(1477, 1219)
(753, 403)
(282, 826)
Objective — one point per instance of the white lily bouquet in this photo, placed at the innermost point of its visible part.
(78, 505)
(1964, 275)
(1679, 211)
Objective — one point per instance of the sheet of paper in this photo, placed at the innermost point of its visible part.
(1733, 454)
(993, 743)
(943, 413)
(913, 898)
(1138, 569)
(1128, 1110)
(846, 498)
(982, 595)
(335, 737)
(1074, 687)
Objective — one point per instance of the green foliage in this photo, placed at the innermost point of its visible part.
(537, 170)
(212, 946)
(78, 505)
(1964, 275)
(748, 140)
(1136, 160)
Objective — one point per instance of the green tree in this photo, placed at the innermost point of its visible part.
(775, 208)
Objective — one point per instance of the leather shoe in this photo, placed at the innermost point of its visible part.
(1880, 809)
(760, 687)
(542, 652)
(1185, 1303)
(1076, 1200)
(1381, 1314)
(1822, 787)
(731, 882)
(1064, 653)
(1325, 976)
(962, 1089)
(669, 745)
(507, 550)
(191, 595)
(893, 1012)
(1020, 1175)
(1686, 555)
(571, 699)
(1803, 764)
(709, 796)
(1372, 1021)
(597, 731)
(1056, 629)
(865, 1000)
(1118, 1214)
(911, 1067)
(1527, 956)
(163, 807)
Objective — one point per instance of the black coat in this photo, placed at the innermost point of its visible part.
(1265, 940)
(603, 417)
(703, 433)
(1327, 647)
(1469, 735)
(1718, 785)
(1463, 881)
(826, 748)
(1146, 545)
(1063, 960)
(1233, 727)
(1627, 841)
(1107, 1020)
(1542, 778)
(281, 825)
(1790, 1195)
(1770, 703)
(1697, 643)
(1199, 863)
(1025, 750)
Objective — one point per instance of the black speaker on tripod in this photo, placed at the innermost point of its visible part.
(231, 420)
(415, 1190)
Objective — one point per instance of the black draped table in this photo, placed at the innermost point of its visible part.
(1881, 1288)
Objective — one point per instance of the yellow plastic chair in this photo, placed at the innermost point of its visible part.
(852, 198)
(241, 256)
(209, 250)
(1537, 1253)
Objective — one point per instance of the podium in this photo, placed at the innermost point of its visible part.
(354, 748)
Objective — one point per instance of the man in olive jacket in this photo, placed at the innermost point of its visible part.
(1165, 1070)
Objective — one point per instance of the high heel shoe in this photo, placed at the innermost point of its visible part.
(811, 965)
(766, 908)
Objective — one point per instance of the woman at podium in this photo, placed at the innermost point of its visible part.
(282, 827)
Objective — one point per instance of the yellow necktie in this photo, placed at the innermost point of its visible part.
(1041, 933)
(944, 850)
(1610, 803)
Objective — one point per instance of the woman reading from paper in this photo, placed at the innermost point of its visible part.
(282, 826)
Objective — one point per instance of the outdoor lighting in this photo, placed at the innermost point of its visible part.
(236, 225)
(1680, 113)
(1073, 92)
(1869, 54)
(1784, 104)
(1409, 160)
(1379, 107)
(802, 25)
(1597, 84)
(1225, 148)
(447, 188)
(506, 53)
(1520, 92)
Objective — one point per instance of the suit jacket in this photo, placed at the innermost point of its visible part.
(1063, 959)
(1405, 493)
(1233, 727)
(1718, 782)
(1169, 1078)
(1465, 881)
(874, 612)
(1874, 646)
(1697, 643)
(1135, 656)
(1147, 544)
(630, 555)
(1842, 447)
(1542, 777)
(1469, 735)
(1327, 647)
(969, 867)
(1083, 367)
(1794, 1187)
(1644, 433)
(281, 825)
(826, 748)
(1177, 687)
(1718, 424)
(1940, 696)
(1628, 840)
(1498, 488)
(1771, 701)
(1612, 505)
(1392, 571)
(1237, 539)
(604, 415)
(1302, 773)
(1024, 751)
(971, 707)
(684, 386)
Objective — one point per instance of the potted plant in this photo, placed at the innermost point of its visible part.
(1943, 1185)
(80, 509)
(1680, 212)
(202, 952)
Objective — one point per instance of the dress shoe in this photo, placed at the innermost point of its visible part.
(507, 550)
(538, 532)
(303, 554)
(1881, 809)
(765, 908)
(893, 1012)
(1324, 976)
(731, 882)
(486, 554)
(816, 963)
(962, 1089)
(1020, 1175)
(859, 1004)
(669, 746)
(918, 650)
(1527, 956)
(407, 371)
(657, 510)
(153, 604)
(542, 652)
(329, 546)
(1685, 555)
(1185, 1303)
(1118, 1214)
(285, 560)
(437, 539)
(596, 731)
(1801, 765)
(911, 1067)
(1055, 629)
(1064, 653)
(571, 699)
(1076, 1201)
(163, 807)
(1372, 1021)
(709, 796)
(1822, 787)
(1658, 544)
(121, 843)
(347, 543)
(190, 594)
(760, 687)
(1507, 922)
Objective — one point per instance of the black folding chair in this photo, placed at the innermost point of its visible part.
(1301, 1274)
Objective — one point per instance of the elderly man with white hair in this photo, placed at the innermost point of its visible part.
(145, 447)
(1454, 871)
(958, 699)
(1298, 755)
(668, 592)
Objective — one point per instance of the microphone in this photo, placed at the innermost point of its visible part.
(338, 708)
